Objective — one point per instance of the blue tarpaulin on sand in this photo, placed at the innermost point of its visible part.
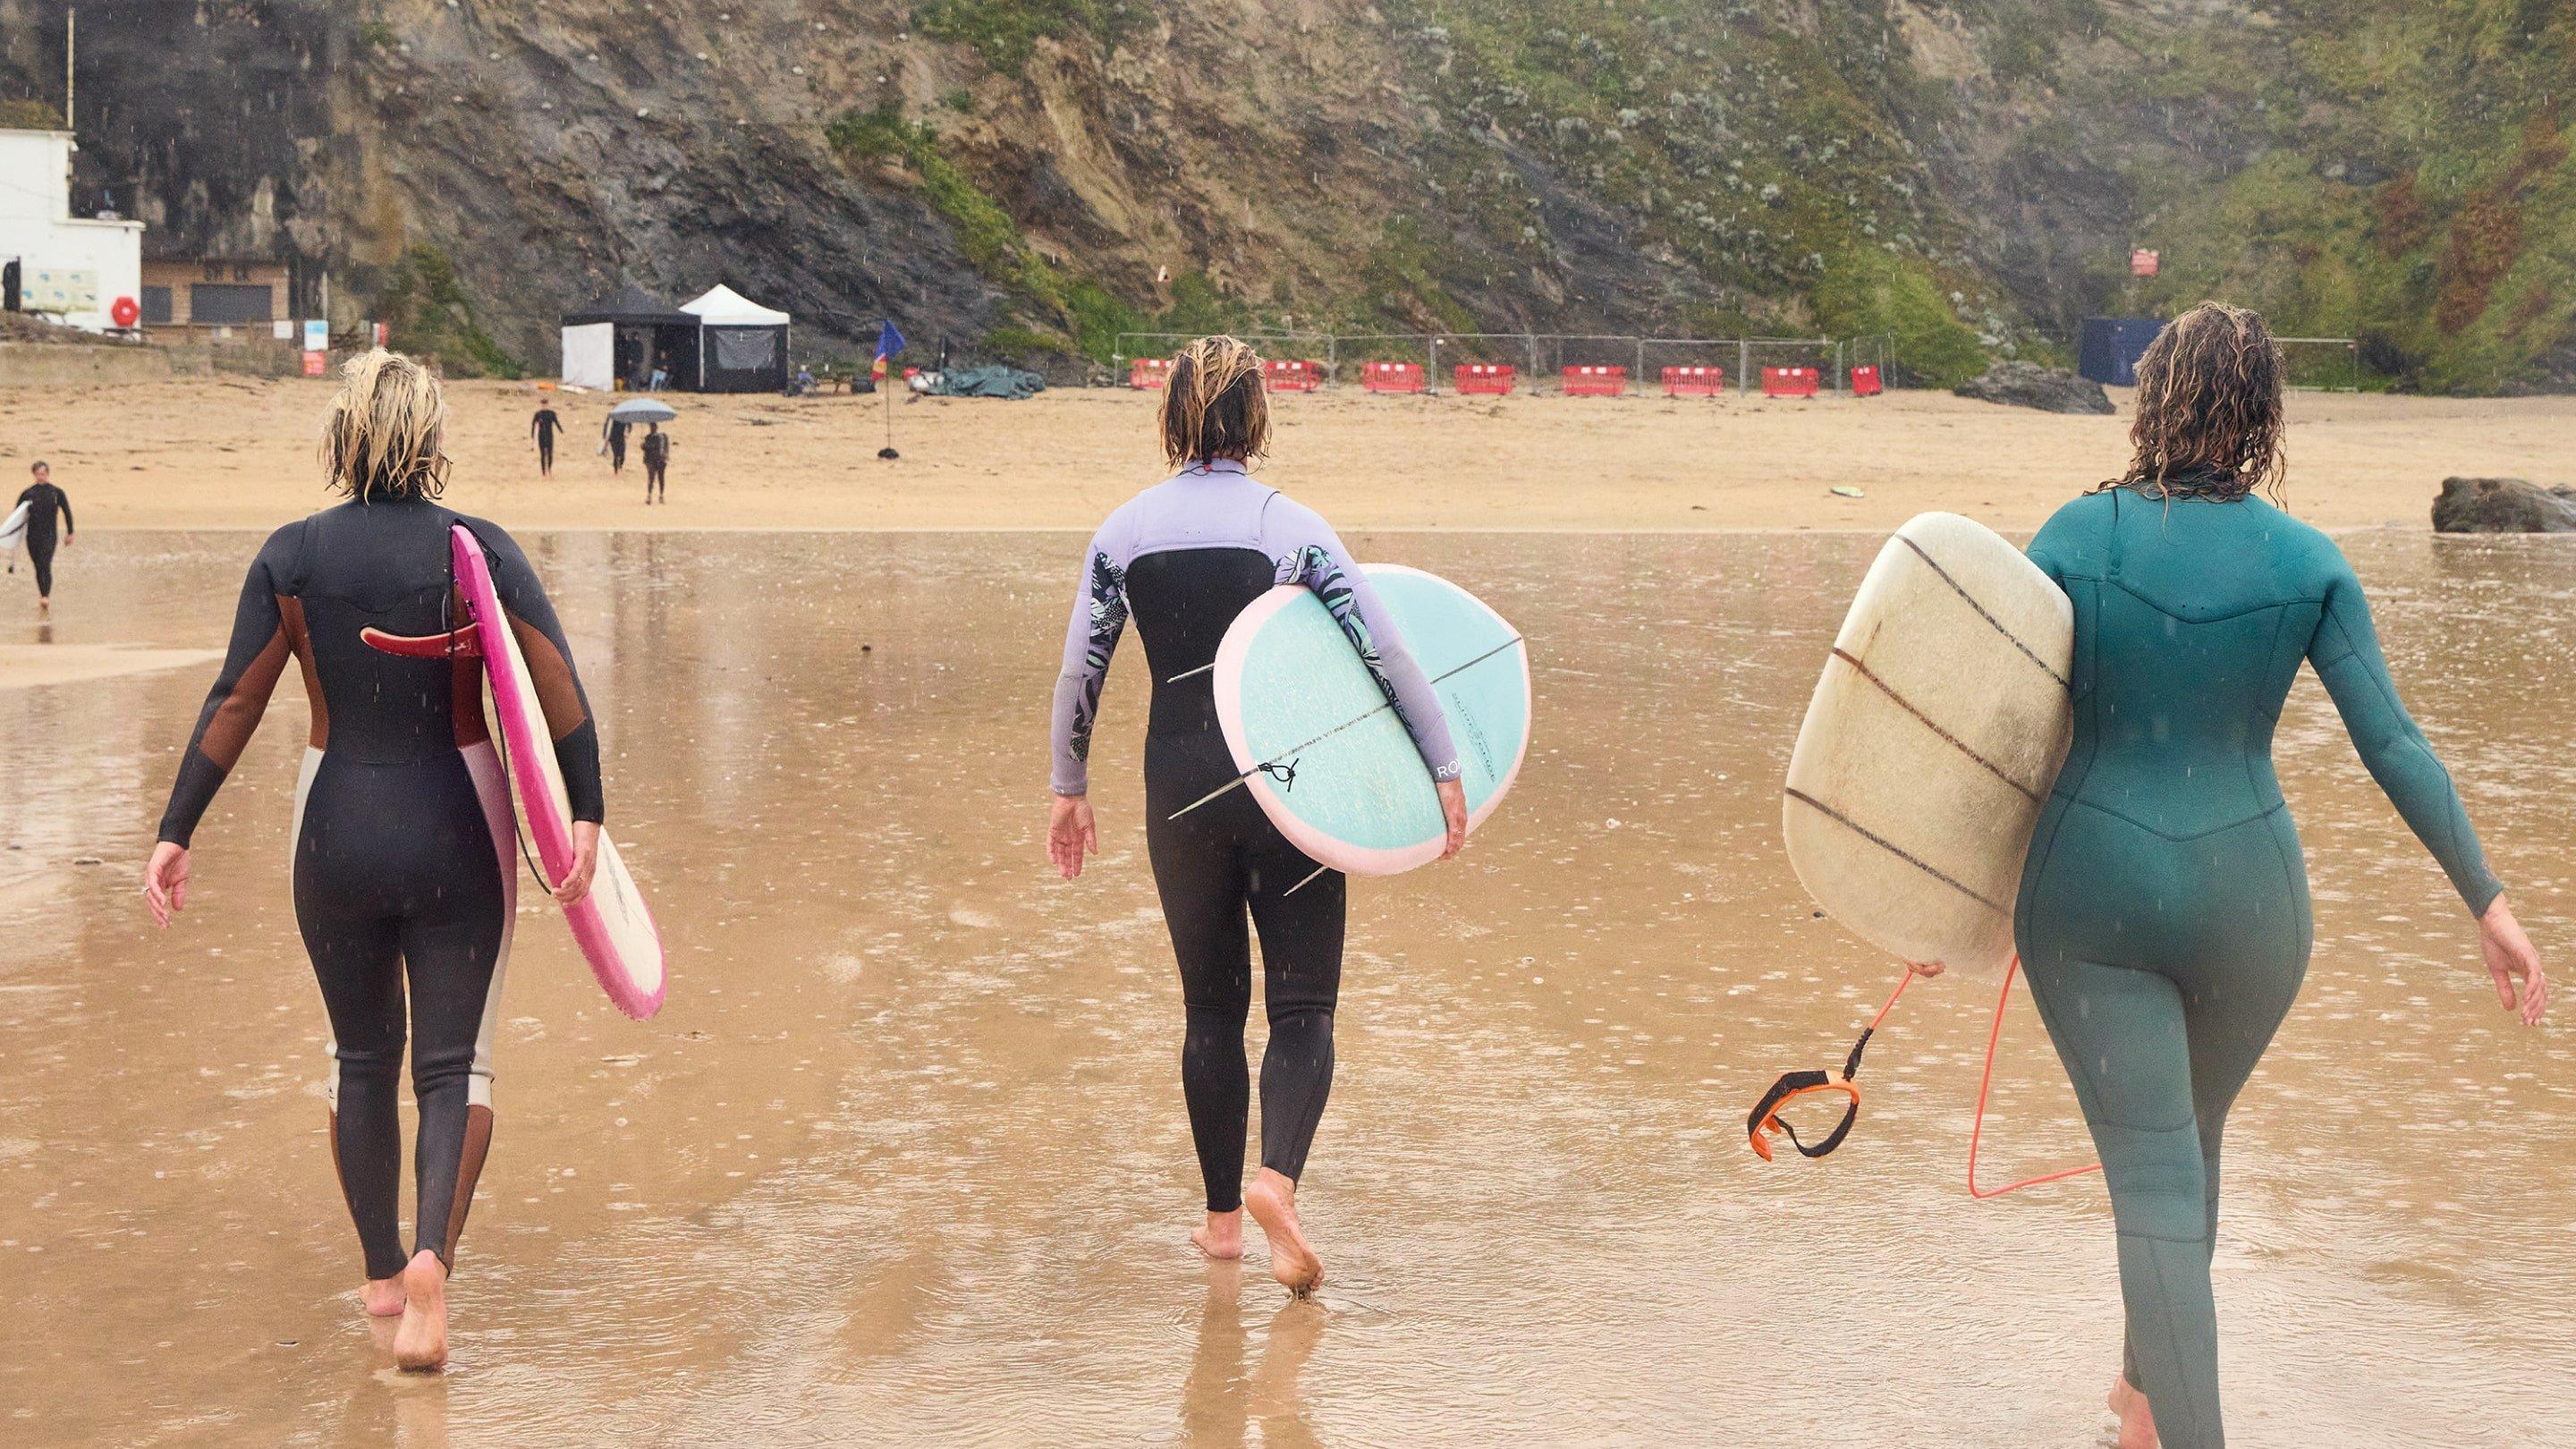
(2110, 348)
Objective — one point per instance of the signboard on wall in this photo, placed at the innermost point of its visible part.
(2143, 262)
(317, 335)
(317, 364)
(58, 289)
(284, 330)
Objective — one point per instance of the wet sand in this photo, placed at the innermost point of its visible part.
(904, 1160)
(238, 453)
(23, 666)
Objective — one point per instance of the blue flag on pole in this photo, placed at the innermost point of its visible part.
(889, 342)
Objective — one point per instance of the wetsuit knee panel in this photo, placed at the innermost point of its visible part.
(2158, 1182)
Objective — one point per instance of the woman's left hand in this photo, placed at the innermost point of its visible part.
(1453, 811)
(585, 860)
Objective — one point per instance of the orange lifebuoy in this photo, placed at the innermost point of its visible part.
(126, 311)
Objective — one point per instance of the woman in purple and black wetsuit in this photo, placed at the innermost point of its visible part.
(1183, 558)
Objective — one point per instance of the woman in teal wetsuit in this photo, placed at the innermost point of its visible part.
(2163, 919)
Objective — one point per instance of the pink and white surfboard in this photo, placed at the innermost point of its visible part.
(612, 925)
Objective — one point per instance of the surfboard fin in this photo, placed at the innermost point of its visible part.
(463, 643)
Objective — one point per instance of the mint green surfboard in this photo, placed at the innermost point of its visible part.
(1323, 751)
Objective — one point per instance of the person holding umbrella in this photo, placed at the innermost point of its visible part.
(657, 444)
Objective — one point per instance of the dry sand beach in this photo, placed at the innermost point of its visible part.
(236, 453)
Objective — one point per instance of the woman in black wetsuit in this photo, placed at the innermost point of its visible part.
(405, 853)
(1183, 558)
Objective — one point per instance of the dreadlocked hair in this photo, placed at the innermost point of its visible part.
(2209, 409)
(1214, 403)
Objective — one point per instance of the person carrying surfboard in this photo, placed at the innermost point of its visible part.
(2163, 914)
(43, 504)
(1182, 559)
(405, 851)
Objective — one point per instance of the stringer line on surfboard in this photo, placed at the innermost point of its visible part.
(1300, 749)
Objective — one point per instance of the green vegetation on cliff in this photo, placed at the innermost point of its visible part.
(2409, 183)
(431, 315)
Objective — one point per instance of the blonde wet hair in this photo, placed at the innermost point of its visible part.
(2209, 408)
(1214, 403)
(381, 437)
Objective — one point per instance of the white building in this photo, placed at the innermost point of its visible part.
(72, 268)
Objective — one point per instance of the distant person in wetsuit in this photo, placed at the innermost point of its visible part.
(1183, 558)
(613, 438)
(657, 463)
(405, 852)
(2163, 918)
(45, 505)
(542, 427)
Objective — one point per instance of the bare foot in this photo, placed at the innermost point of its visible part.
(382, 1297)
(420, 1345)
(1221, 1237)
(2137, 1422)
(1293, 1261)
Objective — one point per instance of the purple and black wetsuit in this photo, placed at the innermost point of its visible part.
(1183, 558)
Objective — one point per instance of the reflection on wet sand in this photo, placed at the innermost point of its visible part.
(904, 1159)
(1234, 1387)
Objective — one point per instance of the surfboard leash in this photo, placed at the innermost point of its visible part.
(1765, 1117)
(1295, 752)
(1985, 1080)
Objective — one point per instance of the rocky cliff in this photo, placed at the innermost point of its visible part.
(1034, 176)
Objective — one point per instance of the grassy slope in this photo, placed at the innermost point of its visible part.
(2417, 190)
(2390, 170)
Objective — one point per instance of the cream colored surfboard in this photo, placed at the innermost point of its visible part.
(1931, 743)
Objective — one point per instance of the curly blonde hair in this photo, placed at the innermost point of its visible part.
(2209, 408)
(1215, 404)
(381, 437)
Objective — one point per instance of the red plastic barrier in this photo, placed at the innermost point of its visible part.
(1294, 375)
(1147, 373)
(1694, 381)
(1596, 382)
(1865, 381)
(1791, 381)
(1391, 376)
(1494, 378)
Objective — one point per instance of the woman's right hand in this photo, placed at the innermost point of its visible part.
(165, 881)
(1927, 969)
(1453, 815)
(1070, 834)
(2511, 961)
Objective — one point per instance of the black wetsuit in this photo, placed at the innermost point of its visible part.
(543, 425)
(405, 854)
(657, 464)
(44, 501)
(616, 435)
(1184, 558)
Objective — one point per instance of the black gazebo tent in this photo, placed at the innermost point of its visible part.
(621, 338)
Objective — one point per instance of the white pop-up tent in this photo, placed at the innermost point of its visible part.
(742, 345)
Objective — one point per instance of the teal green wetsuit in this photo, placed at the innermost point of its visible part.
(2163, 919)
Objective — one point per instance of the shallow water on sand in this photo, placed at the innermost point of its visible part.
(903, 1160)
